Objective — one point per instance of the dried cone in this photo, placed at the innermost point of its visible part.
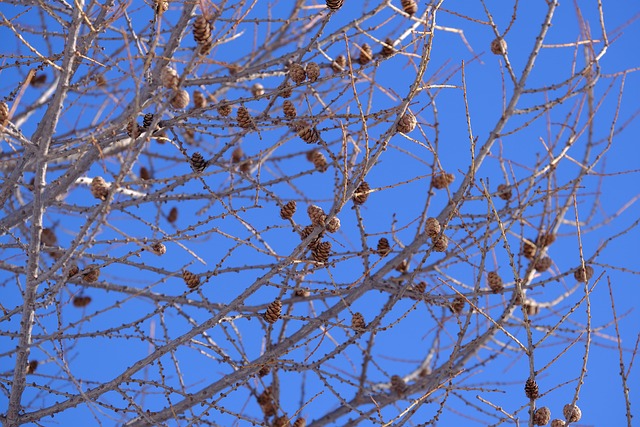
(32, 366)
(543, 264)
(92, 275)
(366, 54)
(287, 211)
(264, 371)
(244, 118)
(410, 7)
(313, 71)
(433, 227)
(173, 215)
(582, 274)
(306, 232)
(558, 423)
(339, 64)
(403, 267)
(357, 322)
(542, 416)
(199, 100)
(223, 108)
(134, 129)
(147, 120)
(442, 180)
(504, 192)
(99, 188)
(495, 281)
(307, 132)
(398, 385)
(161, 6)
(319, 161)
(73, 270)
(169, 77)
(198, 163)
(545, 239)
(282, 421)
(236, 155)
(383, 248)
(48, 237)
(407, 123)
(39, 80)
(265, 400)
(457, 305)
(528, 249)
(285, 90)
(531, 389)
(144, 173)
(159, 248)
(4, 113)
(257, 89)
(440, 243)
(571, 413)
(202, 35)
(362, 193)
(302, 292)
(531, 307)
(419, 288)
(316, 215)
(333, 225)
(190, 279)
(387, 48)
(289, 109)
(334, 4)
(274, 310)
(180, 99)
(300, 422)
(297, 73)
(81, 301)
(321, 252)
(499, 46)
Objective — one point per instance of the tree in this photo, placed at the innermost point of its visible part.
(257, 213)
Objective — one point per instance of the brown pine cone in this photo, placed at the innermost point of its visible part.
(433, 227)
(321, 252)
(223, 108)
(334, 4)
(289, 109)
(333, 225)
(297, 73)
(407, 123)
(387, 48)
(357, 322)
(583, 274)
(339, 64)
(202, 35)
(180, 99)
(320, 161)
(495, 281)
(442, 180)
(313, 71)
(198, 163)
(307, 132)
(504, 192)
(499, 46)
(274, 310)
(398, 385)
(244, 118)
(383, 248)
(543, 264)
(190, 279)
(409, 6)
(287, 211)
(440, 243)
(99, 188)
(199, 100)
(542, 416)
(316, 215)
(362, 193)
(531, 389)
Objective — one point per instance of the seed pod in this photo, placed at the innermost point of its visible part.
(202, 35)
(73, 270)
(362, 193)
(236, 155)
(274, 310)
(199, 100)
(169, 77)
(410, 7)
(334, 4)
(223, 108)
(302, 292)
(316, 215)
(308, 133)
(161, 6)
(558, 423)
(300, 422)
(99, 188)
(531, 307)
(264, 371)
(244, 118)
(144, 173)
(282, 421)
(339, 64)
(457, 305)
(420, 287)
(387, 48)
(48, 237)
(366, 54)
(357, 322)
(180, 99)
(321, 251)
(147, 120)
(531, 389)
(91, 275)
(403, 267)
(504, 192)
(528, 249)
(173, 215)
(257, 89)
(134, 129)
(32, 366)
(4, 113)
(333, 225)
(285, 90)
(287, 211)
(542, 416)
(442, 180)
(433, 227)
(499, 46)
(398, 385)
(159, 248)
(407, 122)
(289, 109)
(313, 71)
(192, 281)
(80, 301)
(571, 413)
(265, 400)
(297, 73)
(306, 232)
(440, 243)
(198, 163)
(543, 264)
(320, 161)
(545, 239)
(383, 248)
(583, 274)
(495, 281)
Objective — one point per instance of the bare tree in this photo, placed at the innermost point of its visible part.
(290, 213)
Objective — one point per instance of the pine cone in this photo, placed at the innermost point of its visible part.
(319, 161)
(265, 400)
(433, 227)
(73, 270)
(99, 188)
(545, 239)
(440, 243)
(173, 215)
(159, 248)
(583, 274)
(92, 275)
(264, 371)
(190, 279)
(147, 120)
(161, 6)
(202, 35)
(403, 267)
(531, 307)
(504, 192)
(339, 64)
(198, 163)
(531, 389)
(542, 416)
(495, 281)
(285, 90)
(244, 118)
(257, 89)
(169, 77)
(199, 100)
(407, 123)
(48, 237)
(289, 109)
(398, 385)
(282, 421)
(134, 129)
(383, 248)
(313, 71)
(274, 310)
(419, 288)
(543, 264)
(366, 54)
(321, 252)
(306, 232)
(308, 133)
(302, 293)
(333, 225)
(442, 180)
(528, 249)
(558, 423)
(362, 193)
(357, 322)
(144, 174)
(4, 113)
(334, 4)
(81, 301)
(300, 422)
(236, 155)
(180, 99)
(316, 215)
(287, 211)
(571, 413)
(457, 305)
(499, 46)
(223, 108)
(387, 48)
(297, 73)
(409, 6)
